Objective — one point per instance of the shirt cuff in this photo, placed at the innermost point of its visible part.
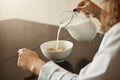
(47, 70)
(54, 72)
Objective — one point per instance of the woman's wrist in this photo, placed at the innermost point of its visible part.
(37, 66)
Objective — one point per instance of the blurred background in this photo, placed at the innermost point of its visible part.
(45, 11)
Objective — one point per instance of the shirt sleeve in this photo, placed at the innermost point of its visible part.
(51, 71)
(107, 53)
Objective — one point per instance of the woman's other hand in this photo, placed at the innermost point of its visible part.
(29, 60)
(89, 8)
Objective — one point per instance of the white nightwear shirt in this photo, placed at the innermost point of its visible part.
(104, 66)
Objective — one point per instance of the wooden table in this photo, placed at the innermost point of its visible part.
(16, 34)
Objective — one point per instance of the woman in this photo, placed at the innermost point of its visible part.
(105, 64)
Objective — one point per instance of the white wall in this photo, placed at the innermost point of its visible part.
(7, 9)
(45, 11)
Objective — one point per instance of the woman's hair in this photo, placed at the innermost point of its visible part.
(113, 16)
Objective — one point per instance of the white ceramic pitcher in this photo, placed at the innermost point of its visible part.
(80, 27)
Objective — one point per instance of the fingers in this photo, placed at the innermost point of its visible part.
(26, 58)
(81, 6)
(83, 3)
(25, 51)
(22, 58)
(19, 63)
(21, 51)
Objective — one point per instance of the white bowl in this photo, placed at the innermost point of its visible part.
(57, 56)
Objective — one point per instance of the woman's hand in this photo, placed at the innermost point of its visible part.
(89, 8)
(29, 60)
